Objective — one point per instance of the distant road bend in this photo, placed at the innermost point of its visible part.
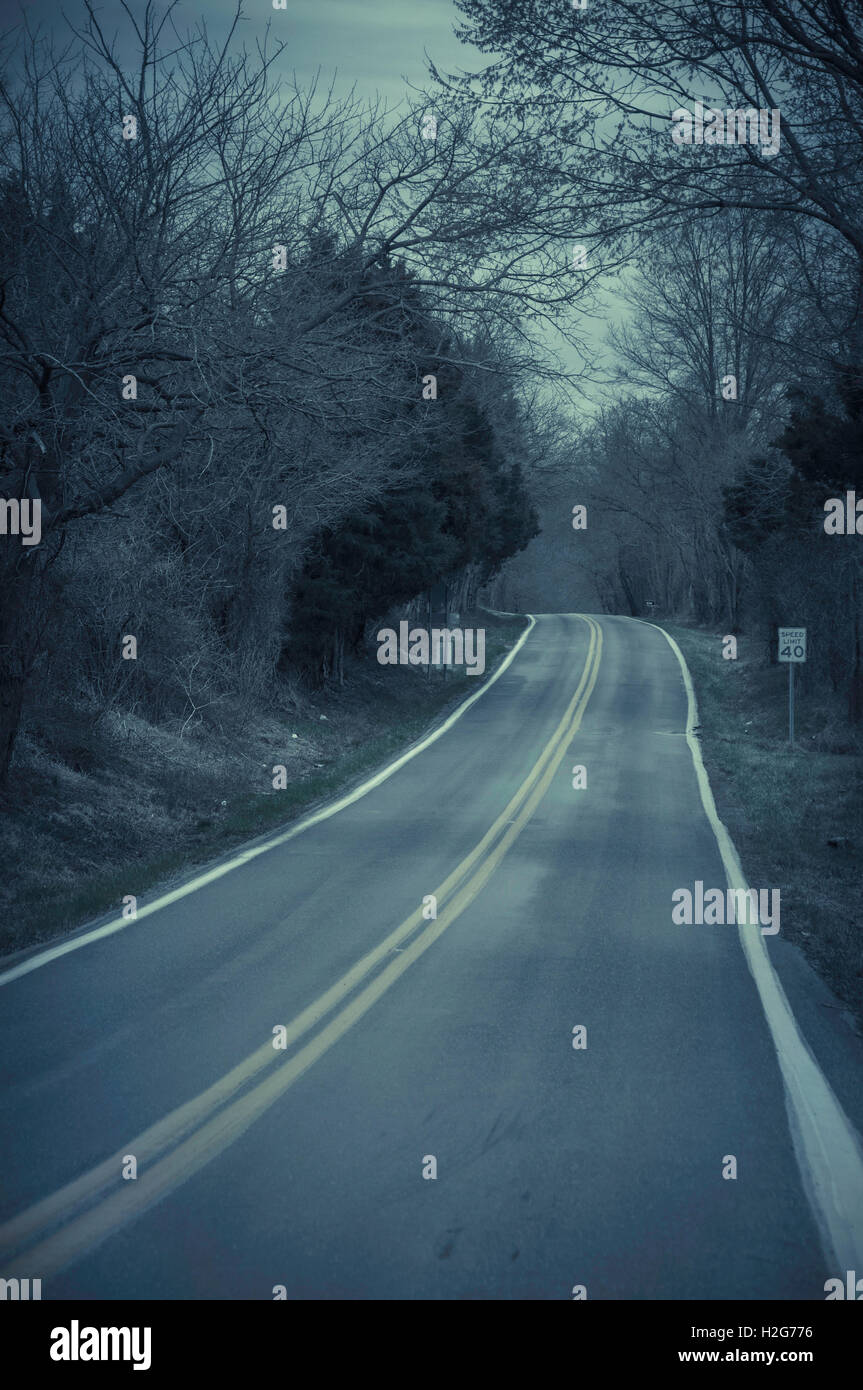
(342, 1060)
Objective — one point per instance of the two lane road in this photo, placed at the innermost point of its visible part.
(424, 955)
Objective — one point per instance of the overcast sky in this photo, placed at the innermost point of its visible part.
(375, 45)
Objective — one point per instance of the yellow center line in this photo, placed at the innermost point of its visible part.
(193, 1137)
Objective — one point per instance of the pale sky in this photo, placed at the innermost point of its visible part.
(374, 45)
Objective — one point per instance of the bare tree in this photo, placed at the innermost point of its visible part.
(215, 296)
(601, 83)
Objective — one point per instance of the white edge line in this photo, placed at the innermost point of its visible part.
(828, 1147)
(118, 924)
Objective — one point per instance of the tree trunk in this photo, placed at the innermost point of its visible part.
(18, 646)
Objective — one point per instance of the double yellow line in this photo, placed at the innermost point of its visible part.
(60, 1229)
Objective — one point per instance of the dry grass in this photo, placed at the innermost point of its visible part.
(106, 804)
(796, 816)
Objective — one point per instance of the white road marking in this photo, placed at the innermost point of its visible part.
(117, 924)
(827, 1146)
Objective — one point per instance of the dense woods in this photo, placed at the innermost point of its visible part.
(729, 431)
(421, 860)
(275, 363)
(263, 369)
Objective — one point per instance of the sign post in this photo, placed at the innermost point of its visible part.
(792, 648)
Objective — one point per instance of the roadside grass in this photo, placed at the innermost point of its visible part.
(101, 809)
(796, 815)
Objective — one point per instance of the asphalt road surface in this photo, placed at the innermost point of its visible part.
(419, 1044)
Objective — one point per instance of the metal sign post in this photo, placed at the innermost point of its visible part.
(792, 648)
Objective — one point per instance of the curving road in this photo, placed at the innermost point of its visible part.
(411, 1037)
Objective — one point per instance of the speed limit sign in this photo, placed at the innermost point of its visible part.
(792, 644)
(792, 648)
